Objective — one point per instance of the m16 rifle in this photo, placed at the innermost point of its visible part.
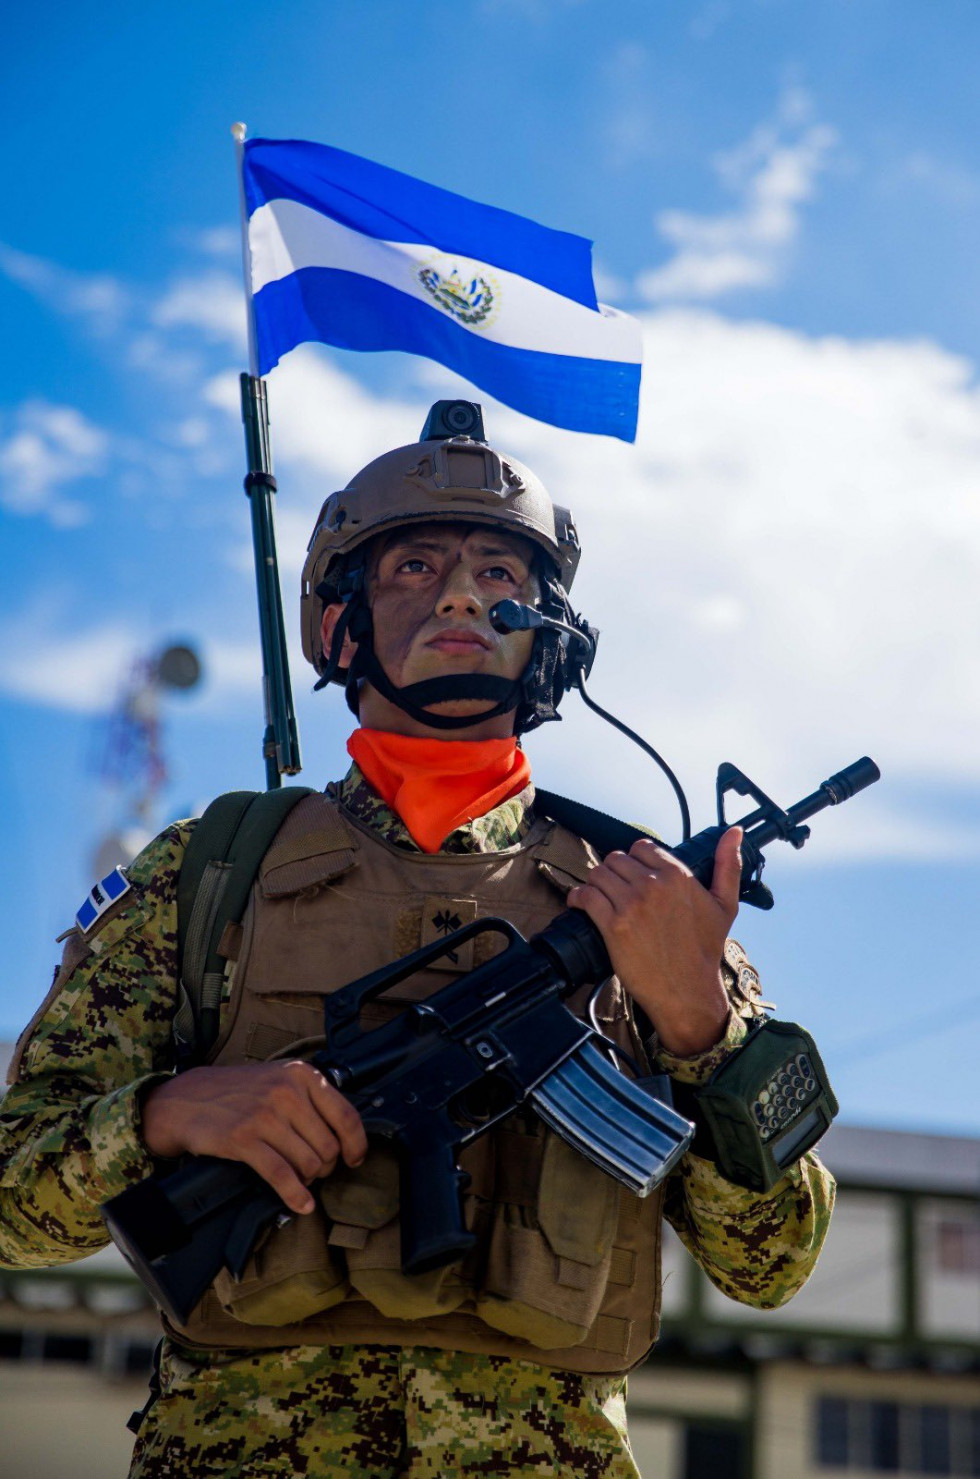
(451, 1067)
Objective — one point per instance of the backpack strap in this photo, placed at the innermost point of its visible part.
(220, 865)
(605, 833)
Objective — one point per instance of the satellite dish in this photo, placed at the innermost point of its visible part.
(178, 667)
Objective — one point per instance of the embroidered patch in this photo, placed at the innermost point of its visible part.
(102, 897)
(442, 915)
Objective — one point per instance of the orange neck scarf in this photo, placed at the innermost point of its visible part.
(437, 785)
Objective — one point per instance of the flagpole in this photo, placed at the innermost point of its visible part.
(280, 742)
(238, 131)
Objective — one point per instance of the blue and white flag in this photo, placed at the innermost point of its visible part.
(351, 253)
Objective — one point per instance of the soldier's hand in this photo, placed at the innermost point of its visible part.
(665, 934)
(283, 1119)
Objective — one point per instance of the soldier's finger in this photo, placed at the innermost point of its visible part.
(727, 873)
(277, 1171)
(605, 884)
(593, 902)
(654, 857)
(636, 871)
(342, 1118)
(305, 1158)
(316, 1148)
(626, 882)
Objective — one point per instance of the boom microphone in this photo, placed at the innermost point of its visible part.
(511, 616)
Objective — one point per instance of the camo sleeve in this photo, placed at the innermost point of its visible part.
(758, 1248)
(69, 1124)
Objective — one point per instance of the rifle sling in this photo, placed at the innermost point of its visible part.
(605, 833)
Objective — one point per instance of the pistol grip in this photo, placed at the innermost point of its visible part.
(433, 1230)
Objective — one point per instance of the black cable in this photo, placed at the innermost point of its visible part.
(648, 749)
(512, 616)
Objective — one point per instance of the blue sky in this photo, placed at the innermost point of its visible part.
(783, 567)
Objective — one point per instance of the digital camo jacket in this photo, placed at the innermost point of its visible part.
(70, 1123)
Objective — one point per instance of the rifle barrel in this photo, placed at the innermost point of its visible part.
(840, 787)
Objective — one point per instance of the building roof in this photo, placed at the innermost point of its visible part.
(902, 1159)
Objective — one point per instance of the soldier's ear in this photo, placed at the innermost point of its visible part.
(331, 615)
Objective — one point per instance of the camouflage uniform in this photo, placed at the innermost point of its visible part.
(70, 1138)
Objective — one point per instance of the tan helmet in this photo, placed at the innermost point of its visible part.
(449, 479)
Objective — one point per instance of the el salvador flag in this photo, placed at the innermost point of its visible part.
(351, 253)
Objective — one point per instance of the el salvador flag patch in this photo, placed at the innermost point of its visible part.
(102, 897)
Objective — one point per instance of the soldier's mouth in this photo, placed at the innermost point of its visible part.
(459, 642)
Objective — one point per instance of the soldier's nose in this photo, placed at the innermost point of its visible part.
(458, 594)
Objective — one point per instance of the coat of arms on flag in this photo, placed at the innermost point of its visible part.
(471, 302)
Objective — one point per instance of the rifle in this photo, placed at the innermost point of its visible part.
(451, 1067)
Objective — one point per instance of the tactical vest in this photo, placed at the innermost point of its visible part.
(565, 1271)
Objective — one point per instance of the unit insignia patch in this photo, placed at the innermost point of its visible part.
(102, 897)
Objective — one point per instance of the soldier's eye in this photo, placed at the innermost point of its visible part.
(413, 566)
(499, 572)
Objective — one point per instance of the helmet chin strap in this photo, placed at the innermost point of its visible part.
(503, 693)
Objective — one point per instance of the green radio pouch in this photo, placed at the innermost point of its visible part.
(763, 1108)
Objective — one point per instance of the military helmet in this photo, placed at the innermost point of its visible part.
(449, 476)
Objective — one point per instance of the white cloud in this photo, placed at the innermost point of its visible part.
(219, 241)
(152, 352)
(69, 669)
(97, 296)
(82, 668)
(783, 566)
(608, 287)
(326, 425)
(773, 174)
(210, 303)
(213, 303)
(46, 448)
(233, 670)
(943, 178)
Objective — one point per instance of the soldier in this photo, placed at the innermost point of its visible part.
(324, 1359)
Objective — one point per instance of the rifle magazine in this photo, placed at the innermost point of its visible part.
(629, 1134)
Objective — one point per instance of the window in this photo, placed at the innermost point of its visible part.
(76, 1348)
(897, 1438)
(713, 1451)
(958, 1246)
(973, 1442)
(883, 1442)
(934, 1446)
(832, 1438)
